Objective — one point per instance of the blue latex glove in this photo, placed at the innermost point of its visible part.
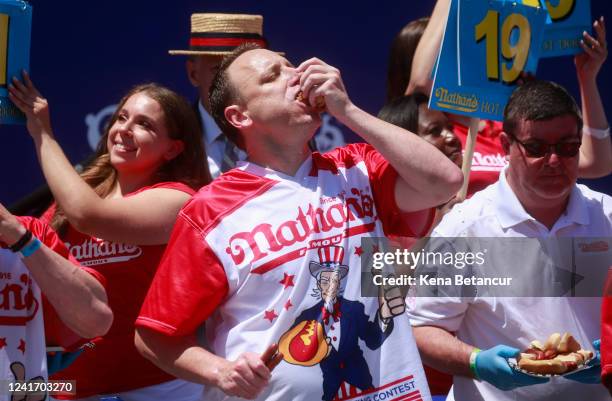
(59, 360)
(492, 367)
(590, 375)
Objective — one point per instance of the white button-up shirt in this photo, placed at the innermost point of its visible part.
(486, 322)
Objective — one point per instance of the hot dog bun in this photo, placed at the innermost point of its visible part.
(319, 101)
(544, 366)
(559, 354)
(553, 341)
(535, 344)
(568, 344)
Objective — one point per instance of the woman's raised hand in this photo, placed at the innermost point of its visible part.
(29, 100)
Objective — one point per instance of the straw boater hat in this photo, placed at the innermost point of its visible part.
(220, 34)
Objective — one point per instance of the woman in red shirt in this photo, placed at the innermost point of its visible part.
(116, 217)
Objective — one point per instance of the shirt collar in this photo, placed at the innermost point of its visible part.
(301, 173)
(510, 212)
(211, 129)
(576, 210)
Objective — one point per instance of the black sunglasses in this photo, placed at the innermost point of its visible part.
(535, 148)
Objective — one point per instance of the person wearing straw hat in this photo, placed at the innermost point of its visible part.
(214, 35)
(240, 252)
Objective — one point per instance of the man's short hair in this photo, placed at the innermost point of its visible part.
(539, 100)
(223, 94)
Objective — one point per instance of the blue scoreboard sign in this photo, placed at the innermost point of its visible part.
(486, 45)
(566, 21)
(15, 27)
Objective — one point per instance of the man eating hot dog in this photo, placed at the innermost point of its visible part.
(254, 252)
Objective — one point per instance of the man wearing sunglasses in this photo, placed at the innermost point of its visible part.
(536, 196)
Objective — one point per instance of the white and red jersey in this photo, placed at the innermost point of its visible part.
(244, 255)
(489, 157)
(22, 333)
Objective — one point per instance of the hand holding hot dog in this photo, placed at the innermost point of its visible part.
(322, 86)
(249, 374)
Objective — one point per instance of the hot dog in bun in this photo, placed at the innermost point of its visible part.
(559, 355)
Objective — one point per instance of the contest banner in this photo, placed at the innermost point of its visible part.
(15, 31)
(485, 47)
(565, 22)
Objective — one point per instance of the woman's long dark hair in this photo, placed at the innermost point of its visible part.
(400, 58)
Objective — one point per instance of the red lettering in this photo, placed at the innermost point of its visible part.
(288, 234)
(12, 291)
(264, 239)
(354, 204)
(340, 217)
(13, 299)
(236, 251)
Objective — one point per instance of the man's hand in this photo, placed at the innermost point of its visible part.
(318, 79)
(271, 357)
(29, 100)
(10, 228)
(492, 367)
(248, 375)
(595, 53)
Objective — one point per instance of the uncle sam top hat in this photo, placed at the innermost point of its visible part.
(330, 259)
(219, 34)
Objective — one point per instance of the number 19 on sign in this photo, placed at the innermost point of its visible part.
(515, 54)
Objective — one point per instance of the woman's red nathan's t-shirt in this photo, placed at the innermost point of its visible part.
(114, 365)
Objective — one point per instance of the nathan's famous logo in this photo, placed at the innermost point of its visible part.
(97, 252)
(488, 162)
(9, 111)
(333, 213)
(18, 305)
(456, 101)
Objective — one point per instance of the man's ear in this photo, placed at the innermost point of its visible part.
(505, 142)
(192, 72)
(238, 118)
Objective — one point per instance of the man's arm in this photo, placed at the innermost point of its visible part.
(79, 299)
(439, 349)
(443, 351)
(426, 176)
(182, 357)
(190, 283)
